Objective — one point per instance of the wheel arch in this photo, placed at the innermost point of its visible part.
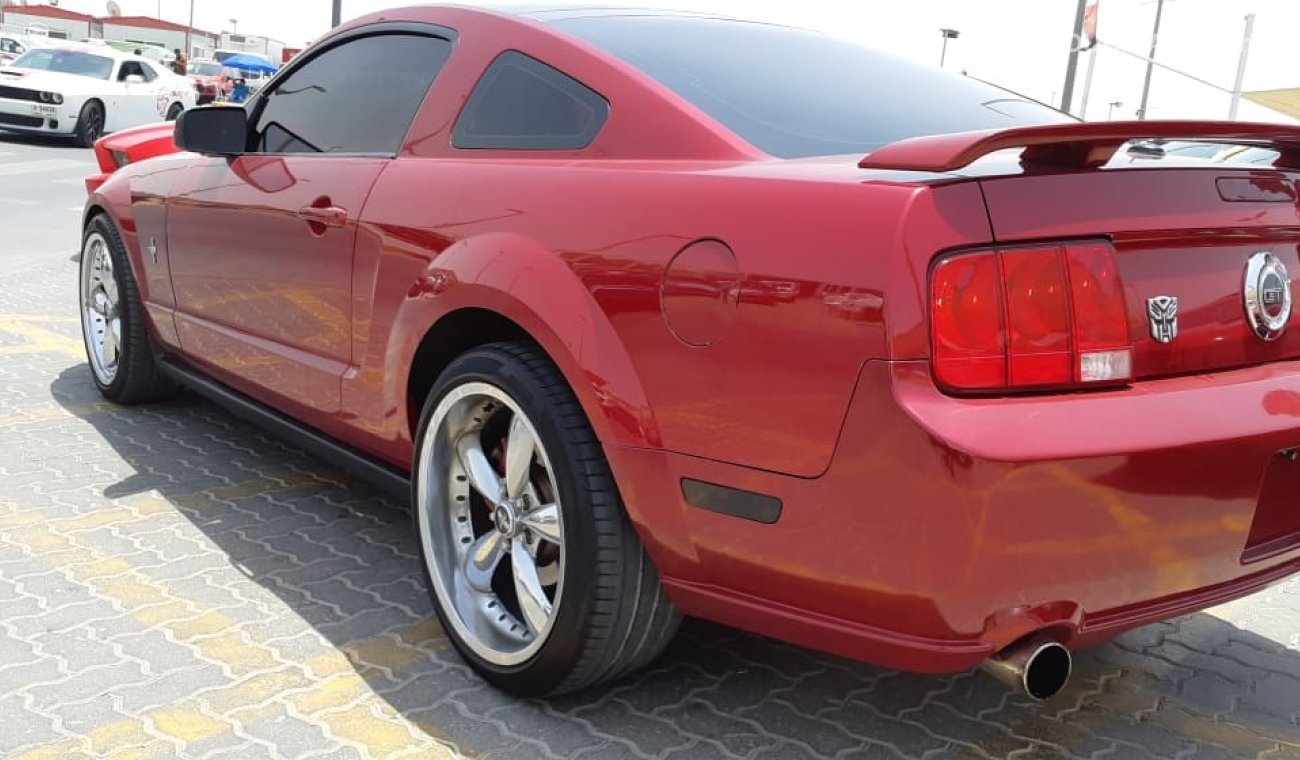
(93, 209)
(102, 107)
(505, 287)
(455, 333)
(488, 293)
(112, 200)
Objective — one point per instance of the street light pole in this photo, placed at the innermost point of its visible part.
(1151, 61)
(1111, 112)
(948, 34)
(338, 12)
(1071, 68)
(189, 31)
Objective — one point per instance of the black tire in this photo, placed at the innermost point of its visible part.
(613, 617)
(174, 111)
(137, 378)
(90, 124)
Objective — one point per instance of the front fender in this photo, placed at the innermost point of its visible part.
(523, 281)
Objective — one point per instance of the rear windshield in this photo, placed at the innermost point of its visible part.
(206, 69)
(795, 93)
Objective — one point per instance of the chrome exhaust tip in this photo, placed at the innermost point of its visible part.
(1035, 665)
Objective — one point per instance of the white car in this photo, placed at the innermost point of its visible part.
(87, 91)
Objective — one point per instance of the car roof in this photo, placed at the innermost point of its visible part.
(558, 11)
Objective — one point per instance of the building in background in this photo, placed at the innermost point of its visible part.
(151, 31)
(139, 30)
(55, 22)
(272, 50)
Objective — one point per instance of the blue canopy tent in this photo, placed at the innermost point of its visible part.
(248, 64)
(254, 63)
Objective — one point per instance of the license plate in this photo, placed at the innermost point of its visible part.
(45, 110)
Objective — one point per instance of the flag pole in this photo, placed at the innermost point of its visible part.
(1087, 83)
(1151, 61)
(1241, 68)
(1071, 68)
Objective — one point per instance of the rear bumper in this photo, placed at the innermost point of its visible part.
(946, 529)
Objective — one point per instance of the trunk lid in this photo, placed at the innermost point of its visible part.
(1189, 234)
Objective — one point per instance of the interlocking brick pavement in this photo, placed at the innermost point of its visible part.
(173, 583)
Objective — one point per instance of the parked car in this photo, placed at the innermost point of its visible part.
(85, 91)
(11, 46)
(649, 321)
(210, 80)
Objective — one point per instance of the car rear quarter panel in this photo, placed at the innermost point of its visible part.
(579, 252)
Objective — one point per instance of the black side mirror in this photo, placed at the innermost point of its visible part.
(213, 130)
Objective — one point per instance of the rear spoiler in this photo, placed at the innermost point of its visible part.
(1077, 145)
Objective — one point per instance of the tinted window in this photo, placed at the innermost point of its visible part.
(794, 93)
(136, 69)
(358, 97)
(523, 104)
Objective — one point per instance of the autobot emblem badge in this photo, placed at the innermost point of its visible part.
(1162, 311)
(1266, 294)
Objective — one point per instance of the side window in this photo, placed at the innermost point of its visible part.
(136, 69)
(358, 97)
(524, 104)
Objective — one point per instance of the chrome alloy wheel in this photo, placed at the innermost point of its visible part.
(490, 523)
(101, 309)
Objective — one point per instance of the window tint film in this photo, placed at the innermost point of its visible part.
(136, 69)
(359, 97)
(524, 104)
(793, 93)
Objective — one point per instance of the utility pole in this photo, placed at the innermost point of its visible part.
(338, 12)
(1241, 68)
(1151, 61)
(189, 31)
(1067, 95)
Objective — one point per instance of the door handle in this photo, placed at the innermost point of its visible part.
(329, 216)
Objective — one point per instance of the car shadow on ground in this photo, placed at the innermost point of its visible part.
(342, 558)
(38, 141)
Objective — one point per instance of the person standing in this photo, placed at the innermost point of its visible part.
(179, 64)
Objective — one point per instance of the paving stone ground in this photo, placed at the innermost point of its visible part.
(173, 583)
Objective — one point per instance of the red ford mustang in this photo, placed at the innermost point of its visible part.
(658, 314)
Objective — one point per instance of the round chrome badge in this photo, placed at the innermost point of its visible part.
(1266, 293)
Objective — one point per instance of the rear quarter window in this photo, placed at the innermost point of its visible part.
(521, 103)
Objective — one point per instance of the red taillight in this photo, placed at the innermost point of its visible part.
(1100, 324)
(968, 333)
(1025, 318)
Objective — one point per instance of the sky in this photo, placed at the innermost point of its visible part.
(1022, 45)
